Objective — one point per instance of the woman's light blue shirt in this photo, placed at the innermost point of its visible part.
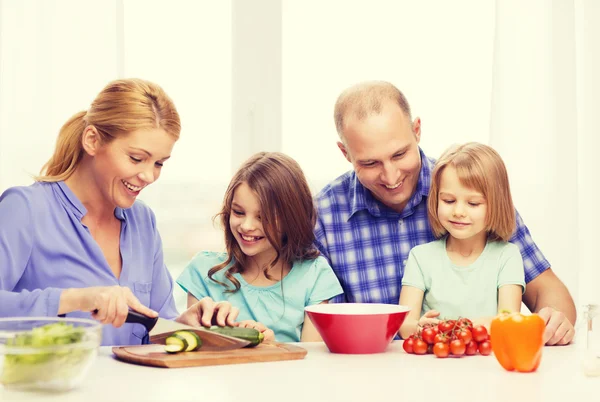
(308, 282)
(44, 249)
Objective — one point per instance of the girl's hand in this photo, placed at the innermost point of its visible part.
(207, 312)
(108, 304)
(429, 318)
(269, 334)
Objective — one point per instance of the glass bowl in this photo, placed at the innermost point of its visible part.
(43, 353)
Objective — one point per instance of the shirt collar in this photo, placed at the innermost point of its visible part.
(72, 203)
(362, 199)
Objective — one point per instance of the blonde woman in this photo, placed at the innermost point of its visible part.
(472, 271)
(77, 242)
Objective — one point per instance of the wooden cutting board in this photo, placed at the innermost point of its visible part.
(155, 355)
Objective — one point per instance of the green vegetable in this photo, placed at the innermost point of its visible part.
(55, 360)
(182, 341)
(252, 335)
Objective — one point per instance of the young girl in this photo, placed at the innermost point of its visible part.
(271, 270)
(471, 271)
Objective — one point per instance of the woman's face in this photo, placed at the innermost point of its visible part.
(126, 165)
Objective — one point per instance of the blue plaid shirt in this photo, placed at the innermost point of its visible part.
(367, 243)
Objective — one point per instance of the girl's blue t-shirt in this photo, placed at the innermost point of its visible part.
(280, 306)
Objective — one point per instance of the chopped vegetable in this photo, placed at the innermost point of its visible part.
(55, 361)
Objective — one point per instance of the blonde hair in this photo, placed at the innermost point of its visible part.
(366, 98)
(479, 167)
(122, 107)
(287, 211)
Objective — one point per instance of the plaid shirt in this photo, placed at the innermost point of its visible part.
(367, 243)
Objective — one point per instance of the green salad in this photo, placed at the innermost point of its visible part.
(23, 364)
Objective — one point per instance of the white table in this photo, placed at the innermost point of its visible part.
(323, 376)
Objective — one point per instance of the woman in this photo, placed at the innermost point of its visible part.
(76, 242)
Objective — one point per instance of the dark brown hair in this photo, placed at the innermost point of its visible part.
(287, 211)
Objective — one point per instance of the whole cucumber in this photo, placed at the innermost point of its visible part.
(252, 335)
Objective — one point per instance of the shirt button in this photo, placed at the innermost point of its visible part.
(400, 222)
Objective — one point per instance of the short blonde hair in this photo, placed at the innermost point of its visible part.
(366, 98)
(480, 168)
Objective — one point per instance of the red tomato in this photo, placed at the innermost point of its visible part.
(465, 323)
(465, 336)
(480, 334)
(443, 338)
(471, 348)
(419, 347)
(428, 335)
(485, 348)
(441, 349)
(408, 345)
(457, 347)
(445, 327)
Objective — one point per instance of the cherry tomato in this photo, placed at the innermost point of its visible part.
(465, 336)
(419, 347)
(428, 335)
(443, 338)
(485, 348)
(480, 334)
(457, 347)
(408, 345)
(465, 323)
(445, 327)
(441, 349)
(471, 348)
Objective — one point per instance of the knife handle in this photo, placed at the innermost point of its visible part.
(138, 318)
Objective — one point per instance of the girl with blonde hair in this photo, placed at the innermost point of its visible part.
(471, 270)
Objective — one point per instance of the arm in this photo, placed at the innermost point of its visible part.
(16, 245)
(309, 332)
(545, 293)
(549, 297)
(413, 298)
(509, 299)
(547, 290)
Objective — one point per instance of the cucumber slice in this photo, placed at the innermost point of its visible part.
(173, 348)
(176, 343)
(193, 340)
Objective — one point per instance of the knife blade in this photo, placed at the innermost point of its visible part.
(160, 328)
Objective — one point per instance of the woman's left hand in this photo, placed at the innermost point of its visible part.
(206, 312)
(269, 334)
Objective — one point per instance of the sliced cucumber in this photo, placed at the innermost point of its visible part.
(172, 348)
(193, 340)
(176, 343)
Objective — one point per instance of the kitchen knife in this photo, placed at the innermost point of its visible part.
(160, 328)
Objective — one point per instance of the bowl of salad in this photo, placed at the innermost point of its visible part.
(42, 353)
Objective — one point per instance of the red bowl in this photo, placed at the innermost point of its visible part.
(357, 328)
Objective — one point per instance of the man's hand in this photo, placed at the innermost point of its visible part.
(559, 330)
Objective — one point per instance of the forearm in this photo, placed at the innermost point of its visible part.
(40, 303)
(409, 327)
(547, 290)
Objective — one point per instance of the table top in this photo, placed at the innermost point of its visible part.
(324, 376)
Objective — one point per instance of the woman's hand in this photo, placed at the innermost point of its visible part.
(108, 304)
(207, 312)
(269, 334)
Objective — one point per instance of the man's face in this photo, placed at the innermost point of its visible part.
(383, 148)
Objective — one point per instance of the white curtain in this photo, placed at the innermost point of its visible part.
(544, 108)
